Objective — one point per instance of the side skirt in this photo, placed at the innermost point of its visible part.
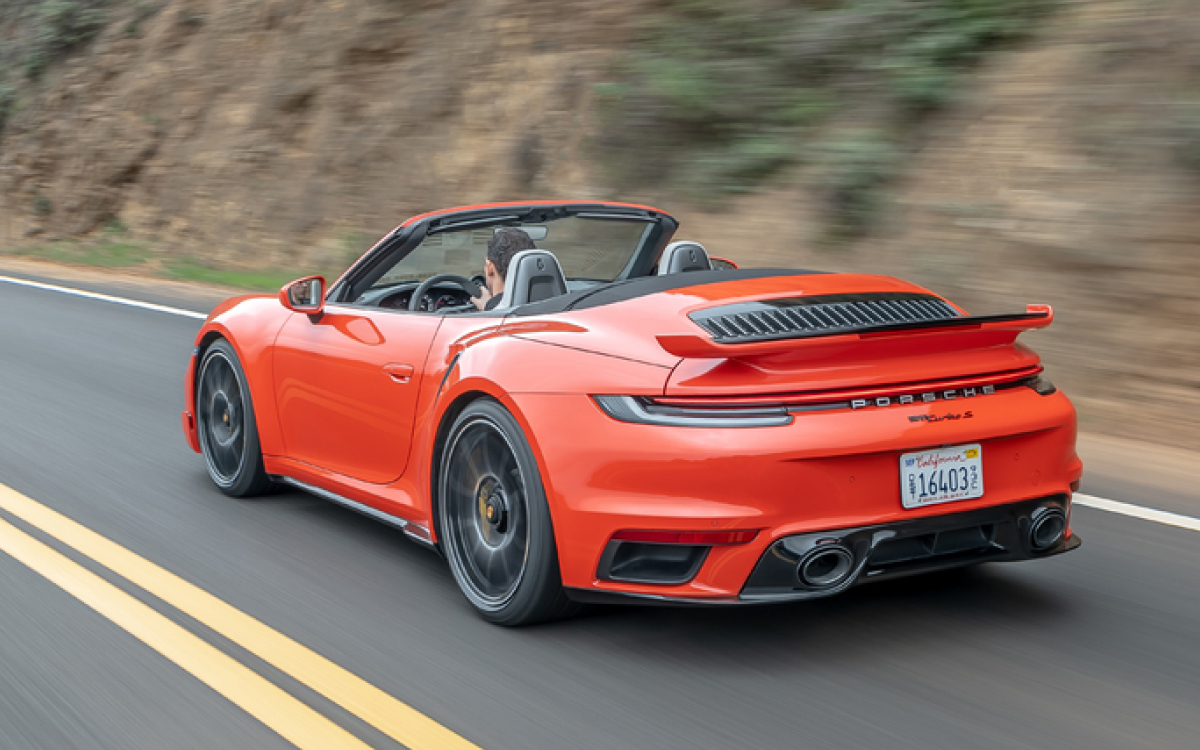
(413, 531)
(596, 596)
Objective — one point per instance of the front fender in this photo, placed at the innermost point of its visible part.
(250, 325)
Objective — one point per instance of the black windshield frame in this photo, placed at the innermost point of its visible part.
(402, 241)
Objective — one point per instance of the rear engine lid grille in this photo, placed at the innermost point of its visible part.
(794, 317)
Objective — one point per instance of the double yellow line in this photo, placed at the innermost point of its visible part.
(274, 707)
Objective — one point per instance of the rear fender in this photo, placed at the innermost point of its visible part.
(503, 367)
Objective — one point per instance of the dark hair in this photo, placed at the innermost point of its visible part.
(504, 244)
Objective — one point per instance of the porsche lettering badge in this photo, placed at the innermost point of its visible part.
(928, 398)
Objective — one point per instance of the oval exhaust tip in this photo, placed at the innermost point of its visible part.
(825, 566)
(1047, 529)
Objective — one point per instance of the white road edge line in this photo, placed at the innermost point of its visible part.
(1137, 511)
(105, 298)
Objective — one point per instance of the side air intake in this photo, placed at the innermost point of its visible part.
(794, 317)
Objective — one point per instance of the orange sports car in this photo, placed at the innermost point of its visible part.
(636, 421)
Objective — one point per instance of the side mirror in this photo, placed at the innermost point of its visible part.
(305, 295)
(720, 264)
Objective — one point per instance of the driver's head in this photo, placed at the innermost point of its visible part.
(504, 244)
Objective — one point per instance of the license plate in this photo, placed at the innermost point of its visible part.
(941, 476)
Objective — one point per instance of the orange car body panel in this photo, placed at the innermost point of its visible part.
(344, 389)
(824, 471)
(330, 414)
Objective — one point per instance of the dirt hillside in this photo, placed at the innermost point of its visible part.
(291, 132)
(271, 131)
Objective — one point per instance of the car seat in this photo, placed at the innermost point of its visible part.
(533, 276)
(683, 256)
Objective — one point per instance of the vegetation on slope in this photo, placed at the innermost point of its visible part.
(49, 29)
(714, 97)
(34, 34)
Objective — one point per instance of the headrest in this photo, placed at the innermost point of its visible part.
(533, 275)
(683, 256)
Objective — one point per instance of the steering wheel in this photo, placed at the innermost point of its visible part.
(414, 302)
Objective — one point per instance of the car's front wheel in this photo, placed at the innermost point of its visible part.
(494, 521)
(226, 424)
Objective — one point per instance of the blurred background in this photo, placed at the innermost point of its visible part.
(1000, 152)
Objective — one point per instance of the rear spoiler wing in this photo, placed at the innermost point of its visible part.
(699, 346)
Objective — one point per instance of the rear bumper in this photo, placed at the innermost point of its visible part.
(997, 534)
(827, 471)
(883, 551)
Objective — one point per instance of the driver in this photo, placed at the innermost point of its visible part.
(504, 244)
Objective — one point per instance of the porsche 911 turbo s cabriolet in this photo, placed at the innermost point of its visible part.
(632, 423)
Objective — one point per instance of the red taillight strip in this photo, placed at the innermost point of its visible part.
(707, 538)
(835, 396)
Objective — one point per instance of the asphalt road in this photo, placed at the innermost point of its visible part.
(1096, 649)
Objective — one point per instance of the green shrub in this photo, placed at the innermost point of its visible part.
(143, 10)
(114, 227)
(854, 169)
(59, 27)
(1187, 134)
(48, 30)
(8, 103)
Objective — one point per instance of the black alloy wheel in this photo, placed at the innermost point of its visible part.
(226, 425)
(494, 522)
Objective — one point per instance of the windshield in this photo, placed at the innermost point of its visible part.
(587, 249)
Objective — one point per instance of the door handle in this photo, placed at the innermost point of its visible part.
(399, 373)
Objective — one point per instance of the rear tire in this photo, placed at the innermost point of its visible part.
(495, 523)
(226, 425)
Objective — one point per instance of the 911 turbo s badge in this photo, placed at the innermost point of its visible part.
(941, 417)
(927, 398)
